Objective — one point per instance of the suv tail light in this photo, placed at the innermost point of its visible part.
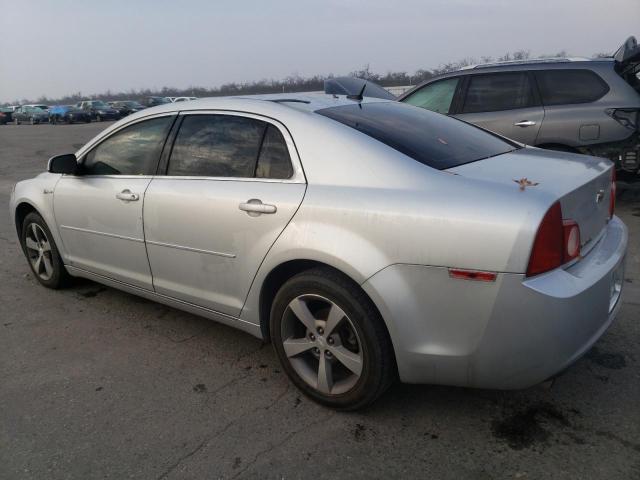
(627, 117)
(557, 242)
(612, 193)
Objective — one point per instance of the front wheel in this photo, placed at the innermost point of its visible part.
(42, 252)
(331, 340)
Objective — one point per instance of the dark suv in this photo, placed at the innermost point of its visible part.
(98, 110)
(580, 105)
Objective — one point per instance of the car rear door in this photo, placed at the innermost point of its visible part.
(233, 183)
(99, 211)
(506, 103)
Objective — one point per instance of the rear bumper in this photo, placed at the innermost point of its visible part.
(511, 333)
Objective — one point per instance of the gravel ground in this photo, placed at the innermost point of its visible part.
(97, 383)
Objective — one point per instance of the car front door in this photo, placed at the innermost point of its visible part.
(99, 211)
(437, 96)
(233, 183)
(505, 103)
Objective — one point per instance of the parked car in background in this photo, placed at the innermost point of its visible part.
(365, 238)
(588, 106)
(155, 101)
(126, 107)
(6, 114)
(98, 110)
(28, 114)
(354, 86)
(38, 105)
(184, 99)
(68, 114)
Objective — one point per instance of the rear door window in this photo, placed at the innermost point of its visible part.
(496, 92)
(438, 141)
(564, 87)
(229, 146)
(274, 160)
(436, 96)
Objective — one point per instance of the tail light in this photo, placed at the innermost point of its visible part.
(612, 193)
(557, 242)
(627, 117)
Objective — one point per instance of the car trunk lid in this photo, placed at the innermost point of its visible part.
(581, 183)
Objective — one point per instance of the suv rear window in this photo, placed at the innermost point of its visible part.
(562, 87)
(430, 138)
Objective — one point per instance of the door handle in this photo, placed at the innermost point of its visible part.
(127, 196)
(255, 207)
(524, 123)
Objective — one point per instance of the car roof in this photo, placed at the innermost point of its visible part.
(534, 61)
(520, 65)
(268, 105)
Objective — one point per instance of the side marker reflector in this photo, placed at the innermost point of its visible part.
(476, 275)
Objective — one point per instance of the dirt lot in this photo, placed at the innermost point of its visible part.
(96, 383)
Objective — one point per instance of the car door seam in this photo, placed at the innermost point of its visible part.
(255, 275)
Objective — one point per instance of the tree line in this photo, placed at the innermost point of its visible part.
(292, 83)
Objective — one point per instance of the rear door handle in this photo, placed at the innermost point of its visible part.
(255, 207)
(524, 123)
(127, 196)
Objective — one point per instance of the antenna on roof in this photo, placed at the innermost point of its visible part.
(360, 96)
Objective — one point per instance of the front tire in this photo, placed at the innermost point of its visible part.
(42, 253)
(331, 340)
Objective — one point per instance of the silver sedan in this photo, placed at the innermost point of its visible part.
(368, 240)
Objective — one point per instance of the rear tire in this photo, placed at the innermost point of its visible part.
(348, 365)
(42, 253)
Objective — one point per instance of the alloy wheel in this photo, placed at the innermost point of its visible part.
(39, 251)
(322, 344)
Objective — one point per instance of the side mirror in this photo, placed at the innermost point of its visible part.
(67, 164)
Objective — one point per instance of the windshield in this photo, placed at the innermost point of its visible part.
(132, 104)
(430, 138)
(99, 104)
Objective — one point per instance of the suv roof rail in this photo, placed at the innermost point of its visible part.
(526, 62)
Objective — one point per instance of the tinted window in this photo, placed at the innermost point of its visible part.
(436, 96)
(131, 151)
(503, 91)
(274, 161)
(216, 146)
(435, 140)
(559, 87)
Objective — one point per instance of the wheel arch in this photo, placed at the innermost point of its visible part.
(23, 209)
(282, 272)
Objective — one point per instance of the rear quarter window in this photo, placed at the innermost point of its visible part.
(435, 140)
(565, 87)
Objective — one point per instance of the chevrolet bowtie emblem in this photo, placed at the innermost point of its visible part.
(525, 182)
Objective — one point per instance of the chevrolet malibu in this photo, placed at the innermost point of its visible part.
(366, 239)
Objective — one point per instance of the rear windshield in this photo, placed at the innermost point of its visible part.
(430, 138)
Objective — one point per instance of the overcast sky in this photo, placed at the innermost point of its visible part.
(59, 47)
